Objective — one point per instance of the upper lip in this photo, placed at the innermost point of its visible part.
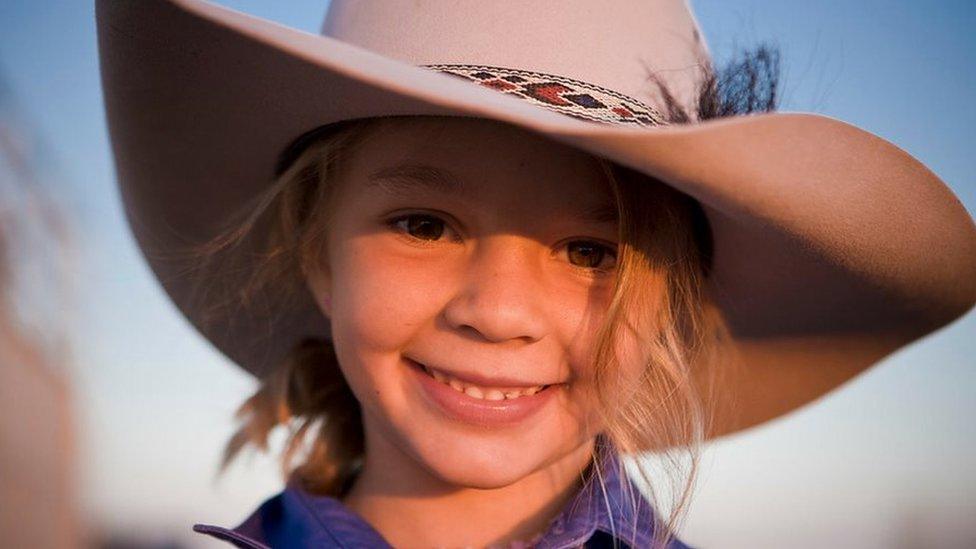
(482, 380)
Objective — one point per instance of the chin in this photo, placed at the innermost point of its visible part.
(480, 464)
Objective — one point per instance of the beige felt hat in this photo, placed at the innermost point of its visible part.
(832, 246)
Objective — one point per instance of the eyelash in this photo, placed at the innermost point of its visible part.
(394, 225)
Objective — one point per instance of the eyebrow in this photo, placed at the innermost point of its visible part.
(404, 179)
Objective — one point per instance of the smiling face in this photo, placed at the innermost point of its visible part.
(481, 255)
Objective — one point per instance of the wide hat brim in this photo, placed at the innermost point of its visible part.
(832, 246)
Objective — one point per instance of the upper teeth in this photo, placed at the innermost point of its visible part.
(484, 393)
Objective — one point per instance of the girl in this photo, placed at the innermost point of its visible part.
(471, 308)
(466, 269)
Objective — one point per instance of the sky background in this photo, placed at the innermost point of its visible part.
(885, 461)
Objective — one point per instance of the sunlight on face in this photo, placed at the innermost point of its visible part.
(476, 249)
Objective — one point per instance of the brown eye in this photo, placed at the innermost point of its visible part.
(590, 255)
(424, 227)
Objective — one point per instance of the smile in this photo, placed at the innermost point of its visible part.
(481, 403)
(481, 391)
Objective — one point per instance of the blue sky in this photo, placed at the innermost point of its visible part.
(891, 449)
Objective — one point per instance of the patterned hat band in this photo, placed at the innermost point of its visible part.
(564, 95)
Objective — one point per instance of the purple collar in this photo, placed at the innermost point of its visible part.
(295, 518)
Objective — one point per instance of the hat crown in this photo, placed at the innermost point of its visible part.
(610, 44)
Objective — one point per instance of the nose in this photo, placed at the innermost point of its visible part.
(501, 295)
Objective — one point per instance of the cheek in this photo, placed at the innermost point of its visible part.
(582, 324)
(378, 305)
(380, 300)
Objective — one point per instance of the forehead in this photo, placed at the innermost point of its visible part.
(477, 159)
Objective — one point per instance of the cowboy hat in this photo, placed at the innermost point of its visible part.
(831, 246)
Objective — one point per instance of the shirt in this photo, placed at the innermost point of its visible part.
(591, 519)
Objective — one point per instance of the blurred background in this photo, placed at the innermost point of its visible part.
(887, 460)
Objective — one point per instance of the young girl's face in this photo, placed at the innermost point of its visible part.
(486, 254)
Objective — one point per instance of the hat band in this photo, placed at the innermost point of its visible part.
(561, 94)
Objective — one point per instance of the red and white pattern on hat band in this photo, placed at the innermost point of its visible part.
(564, 95)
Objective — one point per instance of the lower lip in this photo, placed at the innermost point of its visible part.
(486, 413)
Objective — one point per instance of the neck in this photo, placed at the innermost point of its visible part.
(411, 507)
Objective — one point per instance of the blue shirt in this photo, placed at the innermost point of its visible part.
(297, 519)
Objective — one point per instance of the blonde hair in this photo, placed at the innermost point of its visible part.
(658, 301)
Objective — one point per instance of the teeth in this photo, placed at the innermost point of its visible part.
(481, 392)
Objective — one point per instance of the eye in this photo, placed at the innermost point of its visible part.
(419, 226)
(591, 255)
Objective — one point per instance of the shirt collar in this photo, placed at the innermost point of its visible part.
(296, 518)
(614, 506)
